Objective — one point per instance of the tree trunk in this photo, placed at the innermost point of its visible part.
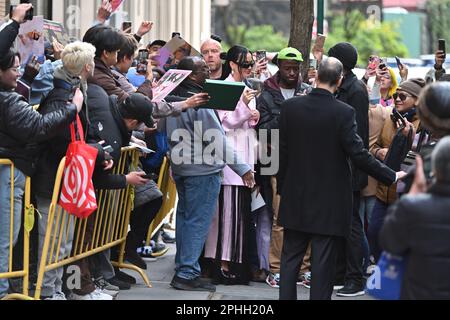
(302, 21)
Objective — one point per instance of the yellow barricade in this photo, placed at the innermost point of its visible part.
(28, 223)
(170, 197)
(106, 228)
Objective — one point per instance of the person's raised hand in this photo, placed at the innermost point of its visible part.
(58, 48)
(439, 59)
(20, 12)
(104, 12)
(144, 28)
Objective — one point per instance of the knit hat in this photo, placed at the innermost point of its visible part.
(346, 53)
(413, 86)
(434, 108)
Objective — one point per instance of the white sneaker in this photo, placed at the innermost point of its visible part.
(107, 288)
(59, 296)
(96, 295)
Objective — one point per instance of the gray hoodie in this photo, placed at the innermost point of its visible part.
(193, 124)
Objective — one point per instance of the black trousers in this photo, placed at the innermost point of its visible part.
(323, 258)
(350, 253)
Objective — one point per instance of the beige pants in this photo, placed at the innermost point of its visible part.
(276, 245)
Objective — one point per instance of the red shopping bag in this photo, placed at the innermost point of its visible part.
(77, 191)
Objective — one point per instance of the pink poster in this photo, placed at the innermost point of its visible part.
(171, 80)
(115, 4)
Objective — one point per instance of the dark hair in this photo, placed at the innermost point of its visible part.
(189, 63)
(104, 38)
(330, 71)
(7, 61)
(159, 71)
(238, 55)
(161, 43)
(129, 47)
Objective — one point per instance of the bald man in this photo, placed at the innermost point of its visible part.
(211, 50)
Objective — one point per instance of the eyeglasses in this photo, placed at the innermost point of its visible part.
(402, 96)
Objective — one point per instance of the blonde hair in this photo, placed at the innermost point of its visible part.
(76, 55)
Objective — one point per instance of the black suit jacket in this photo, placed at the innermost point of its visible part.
(318, 141)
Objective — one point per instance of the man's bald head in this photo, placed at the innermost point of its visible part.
(330, 72)
(211, 50)
(198, 66)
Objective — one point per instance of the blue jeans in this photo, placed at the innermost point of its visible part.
(376, 223)
(5, 217)
(198, 199)
(365, 210)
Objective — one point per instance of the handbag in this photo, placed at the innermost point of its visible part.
(77, 192)
(387, 280)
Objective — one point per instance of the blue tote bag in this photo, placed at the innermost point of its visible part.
(387, 280)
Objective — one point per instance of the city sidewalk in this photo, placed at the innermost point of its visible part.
(161, 273)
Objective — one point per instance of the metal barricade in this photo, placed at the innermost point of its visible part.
(170, 197)
(106, 228)
(13, 225)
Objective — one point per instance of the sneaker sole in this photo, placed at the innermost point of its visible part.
(337, 288)
(351, 295)
(181, 287)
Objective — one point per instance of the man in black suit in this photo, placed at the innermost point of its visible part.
(318, 139)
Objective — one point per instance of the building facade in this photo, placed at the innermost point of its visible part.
(192, 18)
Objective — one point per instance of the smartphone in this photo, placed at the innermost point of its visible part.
(399, 62)
(127, 26)
(442, 46)
(261, 55)
(397, 116)
(28, 15)
(313, 64)
(143, 55)
(150, 176)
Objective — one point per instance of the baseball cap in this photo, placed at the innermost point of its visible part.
(290, 54)
(138, 107)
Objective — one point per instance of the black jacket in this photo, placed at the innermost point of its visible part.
(418, 227)
(318, 139)
(270, 101)
(107, 124)
(55, 149)
(354, 93)
(21, 126)
(7, 36)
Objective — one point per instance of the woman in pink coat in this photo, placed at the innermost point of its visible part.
(228, 239)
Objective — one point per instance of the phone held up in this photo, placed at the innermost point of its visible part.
(442, 46)
(127, 26)
(261, 55)
(142, 61)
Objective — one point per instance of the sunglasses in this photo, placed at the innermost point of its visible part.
(402, 96)
(247, 65)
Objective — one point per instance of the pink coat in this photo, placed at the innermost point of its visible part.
(241, 136)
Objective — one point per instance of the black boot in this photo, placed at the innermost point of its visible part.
(131, 254)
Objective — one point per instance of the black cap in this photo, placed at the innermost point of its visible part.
(138, 107)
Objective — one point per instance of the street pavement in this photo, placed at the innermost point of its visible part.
(161, 272)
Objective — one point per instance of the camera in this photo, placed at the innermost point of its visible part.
(28, 15)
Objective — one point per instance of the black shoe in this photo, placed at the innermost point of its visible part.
(192, 285)
(167, 238)
(122, 285)
(135, 259)
(122, 276)
(351, 290)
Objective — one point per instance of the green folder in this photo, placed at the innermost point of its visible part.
(224, 95)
